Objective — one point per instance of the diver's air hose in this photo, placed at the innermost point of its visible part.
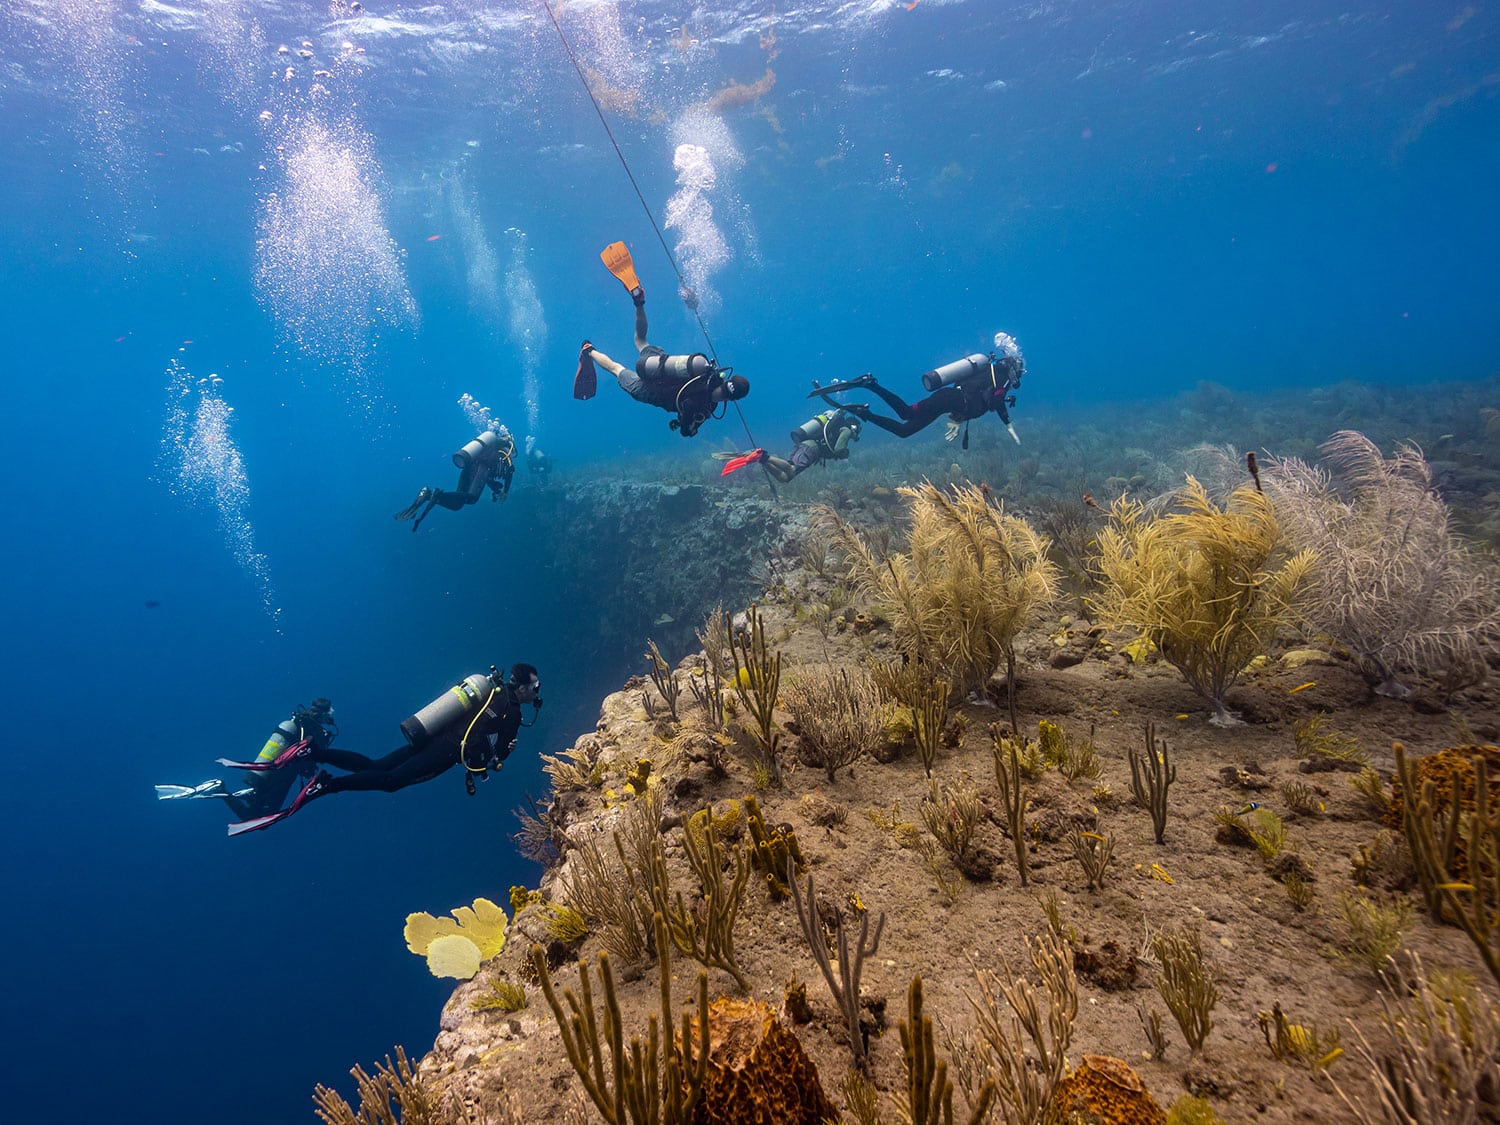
(464, 743)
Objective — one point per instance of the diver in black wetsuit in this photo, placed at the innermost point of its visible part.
(488, 460)
(309, 729)
(474, 723)
(480, 741)
(965, 389)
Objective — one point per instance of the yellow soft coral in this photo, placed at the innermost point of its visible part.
(453, 955)
(483, 925)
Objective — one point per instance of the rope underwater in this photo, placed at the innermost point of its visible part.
(625, 164)
(661, 238)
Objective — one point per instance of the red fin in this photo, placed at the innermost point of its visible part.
(751, 458)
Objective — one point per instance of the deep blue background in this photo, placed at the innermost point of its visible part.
(1157, 194)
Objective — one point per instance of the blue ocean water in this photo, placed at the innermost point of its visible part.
(244, 291)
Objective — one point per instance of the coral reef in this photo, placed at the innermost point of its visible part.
(1264, 945)
(1104, 1091)
(454, 947)
(757, 1071)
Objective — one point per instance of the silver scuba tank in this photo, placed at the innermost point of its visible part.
(459, 701)
(673, 366)
(956, 372)
(485, 443)
(812, 429)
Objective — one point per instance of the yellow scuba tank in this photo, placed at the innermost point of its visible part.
(956, 372)
(486, 443)
(459, 701)
(283, 736)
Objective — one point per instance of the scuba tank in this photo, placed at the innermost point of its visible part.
(957, 371)
(286, 733)
(673, 366)
(814, 428)
(484, 444)
(458, 702)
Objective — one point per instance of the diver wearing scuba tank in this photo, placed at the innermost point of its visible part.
(693, 387)
(965, 389)
(488, 460)
(310, 729)
(818, 441)
(475, 723)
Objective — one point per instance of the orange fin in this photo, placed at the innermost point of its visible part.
(616, 259)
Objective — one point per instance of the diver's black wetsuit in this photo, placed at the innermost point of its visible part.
(965, 401)
(495, 471)
(491, 738)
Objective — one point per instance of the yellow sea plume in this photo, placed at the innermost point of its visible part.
(482, 925)
(453, 955)
(1208, 586)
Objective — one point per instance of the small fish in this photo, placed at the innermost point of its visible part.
(1251, 807)
(152, 603)
(1180, 716)
(1092, 836)
(1331, 1057)
(1088, 498)
(1302, 687)
(433, 237)
(1455, 886)
(1159, 873)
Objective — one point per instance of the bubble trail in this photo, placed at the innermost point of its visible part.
(204, 467)
(479, 415)
(327, 268)
(528, 330)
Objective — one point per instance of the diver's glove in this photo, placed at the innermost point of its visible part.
(638, 295)
(689, 298)
(952, 434)
(1011, 430)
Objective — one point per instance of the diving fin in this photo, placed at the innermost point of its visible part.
(754, 457)
(854, 384)
(298, 749)
(255, 824)
(586, 381)
(616, 259)
(214, 788)
(410, 510)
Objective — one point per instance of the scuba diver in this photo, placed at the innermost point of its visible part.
(489, 459)
(818, 441)
(539, 464)
(475, 723)
(690, 386)
(965, 389)
(266, 787)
